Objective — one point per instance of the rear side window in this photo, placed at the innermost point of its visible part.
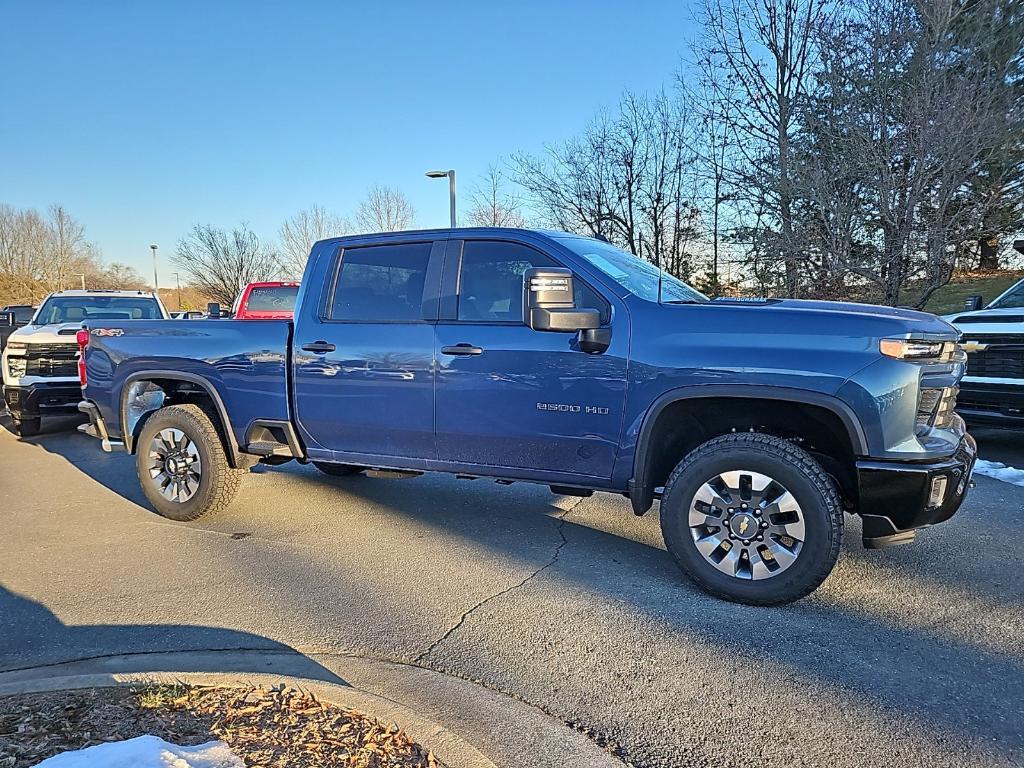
(491, 282)
(381, 283)
(272, 298)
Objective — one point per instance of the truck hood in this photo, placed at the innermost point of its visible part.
(831, 313)
(989, 321)
(63, 333)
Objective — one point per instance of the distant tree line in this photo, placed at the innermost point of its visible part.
(47, 251)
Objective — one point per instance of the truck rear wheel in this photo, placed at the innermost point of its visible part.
(182, 465)
(752, 518)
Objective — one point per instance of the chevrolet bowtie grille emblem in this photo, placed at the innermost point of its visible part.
(974, 346)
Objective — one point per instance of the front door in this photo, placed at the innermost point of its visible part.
(509, 396)
(363, 369)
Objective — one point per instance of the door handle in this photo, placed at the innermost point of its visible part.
(319, 347)
(462, 350)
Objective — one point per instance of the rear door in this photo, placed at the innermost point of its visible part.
(363, 362)
(512, 397)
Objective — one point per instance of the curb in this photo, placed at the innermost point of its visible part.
(462, 723)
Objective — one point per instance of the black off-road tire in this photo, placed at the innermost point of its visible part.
(813, 489)
(26, 427)
(219, 481)
(338, 470)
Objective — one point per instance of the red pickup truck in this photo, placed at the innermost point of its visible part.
(266, 301)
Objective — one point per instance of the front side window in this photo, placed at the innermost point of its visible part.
(491, 282)
(381, 283)
(74, 309)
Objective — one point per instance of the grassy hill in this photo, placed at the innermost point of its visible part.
(950, 298)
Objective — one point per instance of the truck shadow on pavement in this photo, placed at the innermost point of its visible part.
(920, 674)
(26, 625)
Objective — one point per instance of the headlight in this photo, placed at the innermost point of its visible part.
(16, 366)
(17, 345)
(916, 349)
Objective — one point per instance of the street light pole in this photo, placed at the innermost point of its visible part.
(451, 188)
(177, 282)
(156, 282)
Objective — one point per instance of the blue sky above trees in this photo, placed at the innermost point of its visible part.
(143, 119)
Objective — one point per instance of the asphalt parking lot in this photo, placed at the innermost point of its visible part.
(907, 656)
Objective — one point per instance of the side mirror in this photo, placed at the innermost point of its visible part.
(972, 303)
(213, 309)
(550, 303)
(7, 320)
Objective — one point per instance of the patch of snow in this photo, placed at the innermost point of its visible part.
(1000, 471)
(147, 752)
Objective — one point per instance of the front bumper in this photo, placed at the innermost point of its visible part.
(894, 494)
(991, 404)
(42, 399)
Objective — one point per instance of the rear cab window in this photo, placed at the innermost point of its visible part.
(380, 283)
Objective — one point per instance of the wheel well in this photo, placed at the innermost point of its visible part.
(143, 397)
(684, 424)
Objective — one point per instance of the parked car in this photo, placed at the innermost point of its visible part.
(190, 314)
(265, 301)
(558, 359)
(992, 391)
(40, 361)
(12, 317)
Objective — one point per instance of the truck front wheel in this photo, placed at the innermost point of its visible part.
(752, 518)
(182, 465)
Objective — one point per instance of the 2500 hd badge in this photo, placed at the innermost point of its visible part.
(570, 408)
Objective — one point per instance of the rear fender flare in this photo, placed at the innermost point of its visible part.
(129, 431)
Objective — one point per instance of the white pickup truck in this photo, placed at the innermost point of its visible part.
(40, 360)
(992, 392)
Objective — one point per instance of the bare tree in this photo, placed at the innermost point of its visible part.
(757, 55)
(384, 209)
(628, 177)
(492, 204)
(299, 233)
(219, 263)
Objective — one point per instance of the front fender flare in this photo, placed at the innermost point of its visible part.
(641, 486)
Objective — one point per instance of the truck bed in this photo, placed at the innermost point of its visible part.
(243, 362)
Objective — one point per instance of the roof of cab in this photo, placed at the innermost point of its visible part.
(406, 234)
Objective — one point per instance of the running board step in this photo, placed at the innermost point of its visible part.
(267, 448)
(392, 474)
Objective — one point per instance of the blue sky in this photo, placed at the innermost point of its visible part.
(143, 118)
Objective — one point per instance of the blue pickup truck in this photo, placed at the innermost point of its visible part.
(525, 355)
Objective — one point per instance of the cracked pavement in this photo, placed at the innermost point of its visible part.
(909, 656)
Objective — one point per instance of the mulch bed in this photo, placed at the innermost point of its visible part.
(280, 727)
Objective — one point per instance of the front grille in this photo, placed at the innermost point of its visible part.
(1002, 358)
(51, 360)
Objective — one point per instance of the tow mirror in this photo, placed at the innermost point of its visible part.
(213, 309)
(550, 305)
(6, 319)
(972, 303)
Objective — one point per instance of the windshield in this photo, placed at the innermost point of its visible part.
(75, 309)
(1012, 299)
(637, 276)
(272, 298)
